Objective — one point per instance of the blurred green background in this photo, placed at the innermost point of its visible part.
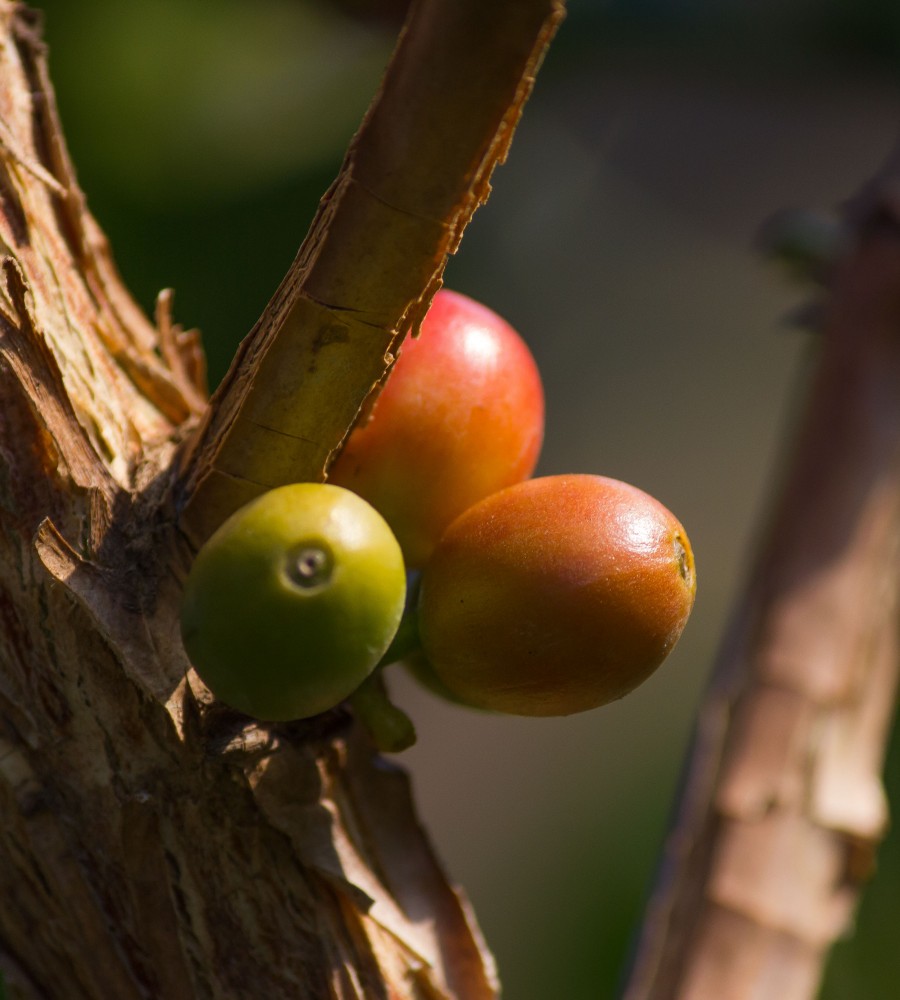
(619, 241)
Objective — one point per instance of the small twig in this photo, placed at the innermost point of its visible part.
(782, 806)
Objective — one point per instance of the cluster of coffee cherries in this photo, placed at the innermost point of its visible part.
(430, 544)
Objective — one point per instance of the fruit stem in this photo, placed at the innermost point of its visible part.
(390, 727)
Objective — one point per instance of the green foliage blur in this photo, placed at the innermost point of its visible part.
(619, 241)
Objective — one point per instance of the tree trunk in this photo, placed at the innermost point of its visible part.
(156, 844)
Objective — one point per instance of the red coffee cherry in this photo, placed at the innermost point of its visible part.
(461, 416)
(555, 595)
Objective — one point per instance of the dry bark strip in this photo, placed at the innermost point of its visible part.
(152, 843)
(782, 806)
(413, 176)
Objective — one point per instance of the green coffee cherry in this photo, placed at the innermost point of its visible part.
(293, 601)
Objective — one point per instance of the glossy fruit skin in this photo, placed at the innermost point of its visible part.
(460, 417)
(555, 596)
(292, 602)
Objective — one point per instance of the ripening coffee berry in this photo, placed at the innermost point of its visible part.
(293, 601)
(555, 595)
(461, 416)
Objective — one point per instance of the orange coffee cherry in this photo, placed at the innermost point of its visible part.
(555, 595)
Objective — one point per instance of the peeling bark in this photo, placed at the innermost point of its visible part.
(155, 843)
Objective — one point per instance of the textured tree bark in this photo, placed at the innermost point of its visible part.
(782, 806)
(154, 843)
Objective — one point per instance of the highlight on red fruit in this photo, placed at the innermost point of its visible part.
(555, 595)
(460, 417)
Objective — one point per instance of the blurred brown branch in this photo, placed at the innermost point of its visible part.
(782, 806)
